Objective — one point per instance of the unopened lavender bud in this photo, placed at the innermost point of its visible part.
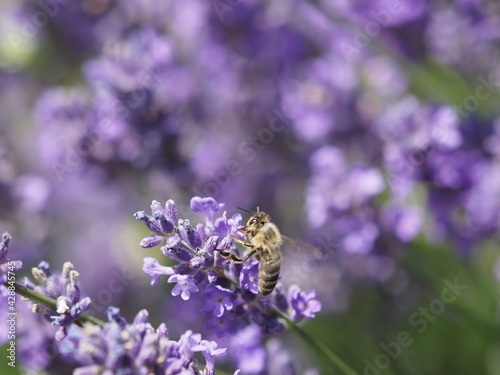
(4, 245)
(189, 234)
(177, 253)
(140, 215)
(150, 222)
(171, 210)
(141, 317)
(72, 290)
(67, 268)
(156, 208)
(162, 331)
(44, 266)
(151, 241)
(166, 225)
(39, 275)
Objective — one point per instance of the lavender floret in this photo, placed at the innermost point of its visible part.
(62, 287)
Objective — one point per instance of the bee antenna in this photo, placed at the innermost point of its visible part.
(242, 209)
(258, 209)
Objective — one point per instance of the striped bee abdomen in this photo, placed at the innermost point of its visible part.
(269, 270)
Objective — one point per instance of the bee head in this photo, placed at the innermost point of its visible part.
(257, 220)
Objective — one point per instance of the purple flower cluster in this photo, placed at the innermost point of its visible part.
(345, 198)
(115, 348)
(106, 122)
(144, 105)
(376, 114)
(229, 292)
(34, 336)
(136, 348)
(252, 356)
(6, 265)
(63, 288)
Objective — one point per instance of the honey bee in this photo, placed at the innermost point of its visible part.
(264, 240)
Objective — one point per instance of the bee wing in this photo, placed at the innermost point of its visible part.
(299, 249)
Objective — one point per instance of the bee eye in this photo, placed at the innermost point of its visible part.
(253, 221)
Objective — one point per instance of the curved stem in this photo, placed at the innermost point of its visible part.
(319, 346)
(35, 297)
(50, 303)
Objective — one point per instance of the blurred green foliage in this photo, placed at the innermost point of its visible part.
(462, 339)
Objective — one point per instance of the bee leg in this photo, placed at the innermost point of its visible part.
(232, 257)
(229, 255)
(241, 242)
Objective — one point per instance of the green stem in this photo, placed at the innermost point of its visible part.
(35, 297)
(50, 303)
(319, 346)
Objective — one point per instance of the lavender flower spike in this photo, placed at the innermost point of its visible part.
(136, 348)
(4, 246)
(229, 292)
(62, 287)
(6, 265)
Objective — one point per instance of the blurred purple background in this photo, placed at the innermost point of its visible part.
(359, 126)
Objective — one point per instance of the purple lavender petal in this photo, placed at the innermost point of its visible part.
(185, 286)
(220, 300)
(250, 355)
(210, 352)
(208, 206)
(249, 277)
(153, 269)
(304, 304)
